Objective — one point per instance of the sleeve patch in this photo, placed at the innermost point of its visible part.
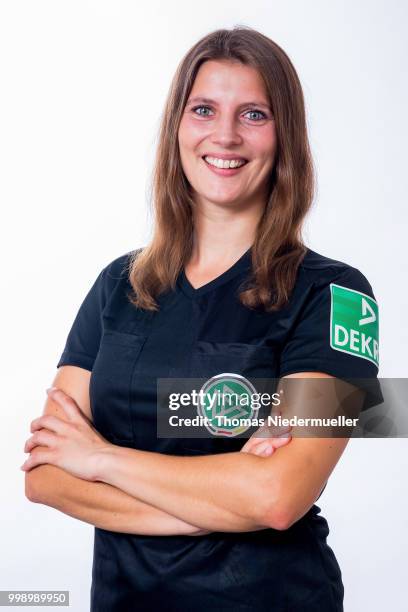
(354, 323)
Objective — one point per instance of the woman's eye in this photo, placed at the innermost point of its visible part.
(205, 108)
(260, 114)
(205, 111)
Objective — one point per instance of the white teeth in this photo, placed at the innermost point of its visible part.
(224, 163)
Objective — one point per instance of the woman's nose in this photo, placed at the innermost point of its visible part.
(226, 132)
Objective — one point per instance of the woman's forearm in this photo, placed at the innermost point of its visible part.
(102, 505)
(223, 492)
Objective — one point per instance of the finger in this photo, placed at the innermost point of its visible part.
(40, 438)
(68, 404)
(259, 449)
(261, 435)
(271, 431)
(281, 441)
(276, 413)
(35, 459)
(268, 447)
(251, 443)
(279, 430)
(48, 421)
(251, 440)
(257, 446)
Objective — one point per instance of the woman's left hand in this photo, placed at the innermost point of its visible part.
(73, 445)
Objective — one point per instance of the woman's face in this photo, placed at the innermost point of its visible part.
(227, 117)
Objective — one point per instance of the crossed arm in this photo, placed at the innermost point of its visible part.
(157, 494)
(96, 503)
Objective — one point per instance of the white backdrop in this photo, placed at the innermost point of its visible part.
(82, 88)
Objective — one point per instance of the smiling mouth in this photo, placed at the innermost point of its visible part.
(224, 164)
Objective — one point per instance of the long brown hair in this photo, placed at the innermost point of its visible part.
(278, 248)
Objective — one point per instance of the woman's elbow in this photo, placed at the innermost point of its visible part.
(36, 484)
(280, 516)
(275, 518)
(273, 513)
(30, 488)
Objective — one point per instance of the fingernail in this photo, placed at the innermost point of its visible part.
(262, 447)
(50, 389)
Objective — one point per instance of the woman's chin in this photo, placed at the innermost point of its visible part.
(226, 200)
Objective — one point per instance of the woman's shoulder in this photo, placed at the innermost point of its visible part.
(119, 267)
(322, 270)
(116, 272)
(316, 261)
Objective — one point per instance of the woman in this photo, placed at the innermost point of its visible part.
(226, 285)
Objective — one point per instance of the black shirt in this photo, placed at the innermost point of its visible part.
(199, 333)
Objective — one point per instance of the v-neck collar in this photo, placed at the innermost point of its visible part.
(242, 264)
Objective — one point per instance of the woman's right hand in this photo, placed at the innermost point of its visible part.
(265, 440)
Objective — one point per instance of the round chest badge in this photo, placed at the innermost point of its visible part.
(225, 401)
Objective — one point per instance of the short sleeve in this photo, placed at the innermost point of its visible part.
(83, 340)
(84, 337)
(337, 332)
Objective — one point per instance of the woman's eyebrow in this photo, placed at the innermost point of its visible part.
(209, 101)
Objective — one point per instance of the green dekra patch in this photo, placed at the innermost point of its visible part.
(354, 323)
